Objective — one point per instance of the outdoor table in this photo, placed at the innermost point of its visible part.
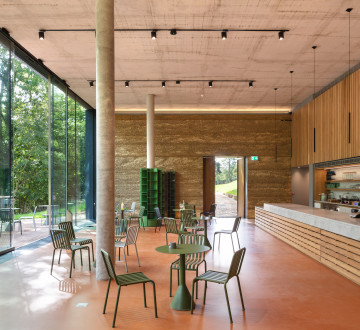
(12, 210)
(207, 243)
(182, 298)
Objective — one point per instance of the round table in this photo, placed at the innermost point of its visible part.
(182, 298)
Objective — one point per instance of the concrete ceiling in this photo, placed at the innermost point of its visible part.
(257, 56)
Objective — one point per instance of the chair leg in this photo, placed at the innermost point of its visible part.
(119, 253)
(81, 257)
(72, 261)
(137, 256)
(237, 236)
(242, 300)
(192, 296)
(214, 241)
(205, 287)
(170, 281)
(154, 291)
(144, 295)
(116, 305)
(125, 259)
(107, 294)
(219, 242)
(197, 273)
(92, 248)
(59, 256)
(89, 258)
(52, 262)
(232, 242)
(228, 304)
(167, 243)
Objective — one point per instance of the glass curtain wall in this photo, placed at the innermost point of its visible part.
(6, 213)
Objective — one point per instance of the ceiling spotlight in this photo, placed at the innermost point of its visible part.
(173, 32)
(281, 35)
(223, 35)
(163, 84)
(127, 83)
(91, 83)
(153, 34)
(251, 85)
(210, 83)
(177, 82)
(41, 35)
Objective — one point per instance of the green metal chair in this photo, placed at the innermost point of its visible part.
(192, 261)
(68, 227)
(138, 217)
(229, 232)
(131, 237)
(222, 278)
(121, 227)
(61, 241)
(171, 227)
(31, 218)
(125, 280)
(186, 220)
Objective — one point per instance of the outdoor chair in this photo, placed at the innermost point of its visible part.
(61, 241)
(68, 227)
(131, 211)
(124, 280)
(121, 227)
(229, 232)
(138, 217)
(159, 218)
(171, 227)
(192, 261)
(186, 220)
(30, 218)
(210, 213)
(131, 237)
(222, 278)
(6, 217)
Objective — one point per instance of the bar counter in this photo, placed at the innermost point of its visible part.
(330, 237)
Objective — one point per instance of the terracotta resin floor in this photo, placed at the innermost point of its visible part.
(282, 288)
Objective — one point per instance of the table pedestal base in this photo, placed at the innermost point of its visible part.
(182, 299)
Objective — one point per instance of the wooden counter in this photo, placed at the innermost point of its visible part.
(329, 237)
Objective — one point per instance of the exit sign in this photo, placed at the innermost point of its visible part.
(254, 157)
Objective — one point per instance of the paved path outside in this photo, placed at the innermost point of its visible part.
(225, 206)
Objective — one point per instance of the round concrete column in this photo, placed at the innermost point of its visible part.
(105, 134)
(150, 130)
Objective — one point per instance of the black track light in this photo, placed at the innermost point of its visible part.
(173, 32)
(210, 83)
(349, 10)
(127, 83)
(177, 82)
(251, 85)
(153, 34)
(223, 35)
(41, 35)
(163, 84)
(281, 35)
(91, 83)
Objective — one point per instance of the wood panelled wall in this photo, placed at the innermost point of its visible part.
(328, 114)
(181, 142)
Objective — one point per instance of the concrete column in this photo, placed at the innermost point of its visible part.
(105, 134)
(150, 130)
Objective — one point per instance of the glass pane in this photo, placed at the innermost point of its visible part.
(58, 155)
(71, 158)
(5, 150)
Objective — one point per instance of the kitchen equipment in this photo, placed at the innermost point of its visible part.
(323, 197)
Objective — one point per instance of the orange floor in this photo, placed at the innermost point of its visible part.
(282, 288)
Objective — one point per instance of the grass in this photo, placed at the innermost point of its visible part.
(230, 188)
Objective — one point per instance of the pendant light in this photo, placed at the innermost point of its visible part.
(291, 107)
(275, 89)
(314, 48)
(349, 88)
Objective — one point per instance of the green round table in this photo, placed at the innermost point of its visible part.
(182, 298)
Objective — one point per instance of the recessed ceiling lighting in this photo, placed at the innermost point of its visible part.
(210, 83)
(223, 35)
(153, 34)
(281, 35)
(127, 83)
(41, 35)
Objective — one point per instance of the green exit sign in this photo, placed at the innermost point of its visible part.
(254, 158)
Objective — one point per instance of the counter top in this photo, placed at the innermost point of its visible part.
(335, 222)
(339, 204)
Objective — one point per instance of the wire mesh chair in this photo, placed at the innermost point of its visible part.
(61, 241)
(68, 227)
(222, 278)
(229, 232)
(131, 238)
(125, 280)
(192, 260)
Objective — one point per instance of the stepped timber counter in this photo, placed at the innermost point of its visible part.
(330, 237)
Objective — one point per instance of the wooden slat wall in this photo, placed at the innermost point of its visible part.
(181, 141)
(329, 114)
(339, 253)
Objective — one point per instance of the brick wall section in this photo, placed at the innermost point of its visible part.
(181, 141)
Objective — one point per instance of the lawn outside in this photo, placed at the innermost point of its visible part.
(227, 188)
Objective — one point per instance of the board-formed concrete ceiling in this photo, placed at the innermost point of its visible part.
(257, 56)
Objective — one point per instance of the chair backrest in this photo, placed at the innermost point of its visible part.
(109, 265)
(34, 212)
(158, 214)
(133, 205)
(171, 226)
(236, 224)
(68, 216)
(186, 218)
(131, 236)
(142, 210)
(68, 227)
(6, 215)
(193, 239)
(236, 263)
(121, 226)
(60, 239)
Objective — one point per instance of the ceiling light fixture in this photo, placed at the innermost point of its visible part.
(281, 35)
(349, 89)
(223, 35)
(91, 83)
(163, 84)
(127, 83)
(177, 82)
(275, 89)
(291, 106)
(251, 85)
(314, 121)
(41, 35)
(173, 32)
(210, 83)
(153, 34)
